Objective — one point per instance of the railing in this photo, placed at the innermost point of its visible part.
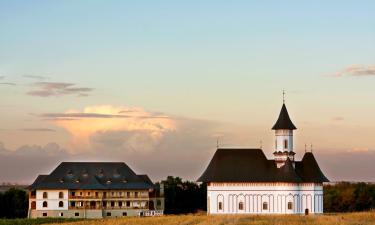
(153, 213)
(105, 207)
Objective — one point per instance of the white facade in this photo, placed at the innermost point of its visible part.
(264, 198)
(284, 140)
(52, 200)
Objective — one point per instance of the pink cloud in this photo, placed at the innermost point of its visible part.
(356, 70)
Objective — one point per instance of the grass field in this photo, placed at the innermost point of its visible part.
(34, 221)
(366, 218)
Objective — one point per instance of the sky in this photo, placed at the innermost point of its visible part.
(156, 84)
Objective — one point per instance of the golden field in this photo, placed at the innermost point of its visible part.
(364, 218)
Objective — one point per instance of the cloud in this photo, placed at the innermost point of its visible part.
(47, 89)
(134, 127)
(8, 83)
(38, 130)
(359, 149)
(35, 77)
(338, 118)
(26, 162)
(357, 70)
(2, 77)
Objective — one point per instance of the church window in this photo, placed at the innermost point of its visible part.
(265, 206)
(45, 204)
(45, 195)
(285, 144)
(290, 205)
(61, 194)
(61, 204)
(220, 206)
(240, 206)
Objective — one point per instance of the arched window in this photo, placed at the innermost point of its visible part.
(290, 205)
(220, 206)
(286, 144)
(45, 195)
(61, 194)
(45, 204)
(265, 206)
(240, 206)
(61, 204)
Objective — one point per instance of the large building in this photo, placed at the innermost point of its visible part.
(94, 190)
(244, 181)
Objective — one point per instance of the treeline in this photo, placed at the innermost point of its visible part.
(13, 204)
(349, 197)
(183, 197)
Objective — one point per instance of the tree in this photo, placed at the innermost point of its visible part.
(13, 204)
(183, 196)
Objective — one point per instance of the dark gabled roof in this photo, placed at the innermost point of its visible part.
(38, 180)
(251, 165)
(92, 175)
(284, 122)
(145, 178)
(308, 169)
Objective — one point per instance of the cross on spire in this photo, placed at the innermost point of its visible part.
(283, 96)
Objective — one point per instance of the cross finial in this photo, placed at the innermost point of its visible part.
(283, 96)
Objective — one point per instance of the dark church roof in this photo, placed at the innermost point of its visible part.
(251, 165)
(92, 175)
(284, 122)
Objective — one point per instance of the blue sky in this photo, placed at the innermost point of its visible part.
(215, 61)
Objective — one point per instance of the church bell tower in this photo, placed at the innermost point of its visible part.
(283, 137)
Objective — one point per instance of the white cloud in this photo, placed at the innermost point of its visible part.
(357, 70)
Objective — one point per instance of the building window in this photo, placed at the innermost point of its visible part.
(96, 194)
(73, 204)
(128, 194)
(124, 214)
(73, 193)
(61, 204)
(33, 205)
(88, 193)
(220, 206)
(112, 204)
(290, 205)
(240, 206)
(61, 214)
(45, 195)
(286, 144)
(136, 194)
(76, 214)
(113, 193)
(109, 214)
(80, 194)
(120, 204)
(265, 206)
(61, 194)
(127, 203)
(44, 214)
(45, 204)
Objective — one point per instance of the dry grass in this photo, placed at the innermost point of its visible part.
(365, 218)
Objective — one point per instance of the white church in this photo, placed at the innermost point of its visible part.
(244, 181)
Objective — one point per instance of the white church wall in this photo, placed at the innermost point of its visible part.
(264, 198)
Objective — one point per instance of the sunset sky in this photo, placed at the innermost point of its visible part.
(156, 83)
